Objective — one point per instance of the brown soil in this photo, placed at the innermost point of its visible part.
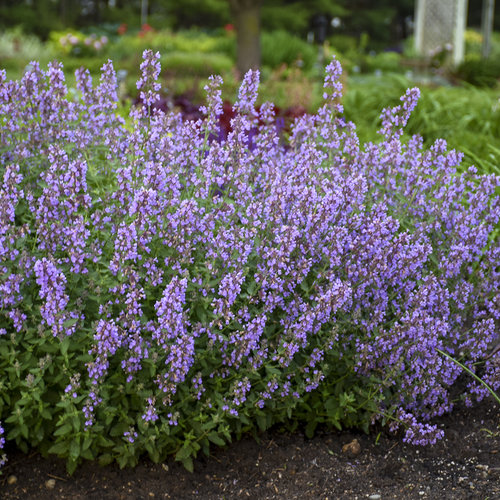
(464, 465)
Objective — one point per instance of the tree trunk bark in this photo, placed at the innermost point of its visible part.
(246, 15)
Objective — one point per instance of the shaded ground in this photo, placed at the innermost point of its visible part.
(465, 465)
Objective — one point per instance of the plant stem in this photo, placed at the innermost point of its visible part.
(471, 373)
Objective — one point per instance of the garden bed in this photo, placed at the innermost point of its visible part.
(465, 464)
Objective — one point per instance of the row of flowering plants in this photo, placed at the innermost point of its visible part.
(164, 287)
(77, 44)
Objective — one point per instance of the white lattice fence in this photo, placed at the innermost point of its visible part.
(440, 24)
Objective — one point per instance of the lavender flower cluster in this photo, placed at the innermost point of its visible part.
(226, 277)
(3, 457)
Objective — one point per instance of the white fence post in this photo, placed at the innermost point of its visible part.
(440, 23)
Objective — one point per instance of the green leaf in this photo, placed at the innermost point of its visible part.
(118, 429)
(104, 442)
(49, 348)
(122, 461)
(105, 459)
(65, 346)
(205, 447)
(331, 406)
(272, 370)
(201, 313)
(109, 419)
(11, 419)
(13, 433)
(67, 428)
(184, 452)
(197, 427)
(227, 434)
(310, 428)
(251, 288)
(71, 466)
(24, 430)
(76, 423)
(188, 464)
(84, 358)
(59, 448)
(39, 432)
(153, 452)
(74, 449)
(4, 351)
(23, 401)
(46, 414)
(87, 454)
(87, 441)
(262, 422)
(216, 439)
(244, 419)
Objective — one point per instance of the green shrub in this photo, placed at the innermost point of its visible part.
(17, 50)
(480, 72)
(189, 41)
(387, 62)
(93, 64)
(39, 18)
(77, 44)
(280, 47)
(345, 44)
(196, 63)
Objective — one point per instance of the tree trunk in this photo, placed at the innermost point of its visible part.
(246, 15)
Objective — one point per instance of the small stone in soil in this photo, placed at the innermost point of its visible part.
(12, 480)
(352, 449)
(50, 484)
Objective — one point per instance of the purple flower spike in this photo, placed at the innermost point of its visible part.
(148, 85)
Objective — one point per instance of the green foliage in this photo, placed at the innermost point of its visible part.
(196, 63)
(190, 41)
(18, 49)
(475, 69)
(467, 117)
(189, 13)
(191, 54)
(389, 62)
(93, 64)
(345, 44)
(77, 44)
(290, 86)
(280, 47)
(376, 22)
(479, 72)
(275, 18)
(39, 18)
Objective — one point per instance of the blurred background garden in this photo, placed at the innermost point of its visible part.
(290, 41)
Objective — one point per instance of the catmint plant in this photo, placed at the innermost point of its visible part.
(165, 285)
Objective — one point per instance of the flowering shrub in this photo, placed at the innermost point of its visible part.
(78, 44)
(162, 289)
